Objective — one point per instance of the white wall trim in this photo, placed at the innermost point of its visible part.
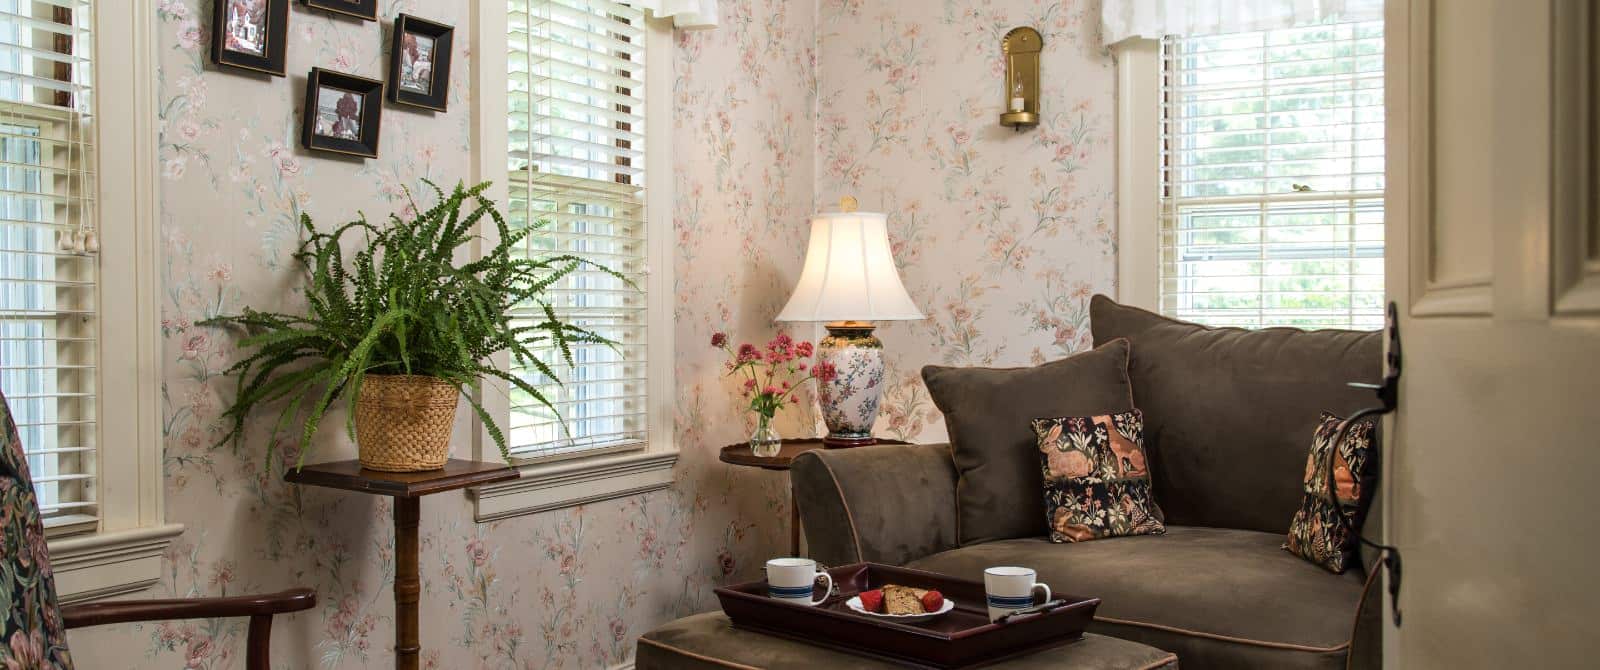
(100, 565)
(124, 555)
(489, 141)
(546, 487)
(1397, 194)
(622, 666)
(661, 246)
(552, 485)
(1138, 172)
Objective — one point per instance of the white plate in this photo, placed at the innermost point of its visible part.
(855, 604)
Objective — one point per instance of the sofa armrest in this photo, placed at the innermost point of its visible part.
(885, 504)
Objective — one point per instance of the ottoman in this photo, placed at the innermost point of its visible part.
(710, 642)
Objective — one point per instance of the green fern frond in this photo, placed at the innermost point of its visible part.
(401, 304)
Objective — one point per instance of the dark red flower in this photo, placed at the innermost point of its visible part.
(719, 339)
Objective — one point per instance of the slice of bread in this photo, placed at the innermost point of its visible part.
(902, 599)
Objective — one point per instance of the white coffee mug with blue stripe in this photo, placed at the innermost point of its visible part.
(1010, 589)
(791, 580)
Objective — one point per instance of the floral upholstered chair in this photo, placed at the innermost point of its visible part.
(32, 625)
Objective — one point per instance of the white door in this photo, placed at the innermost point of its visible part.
(1493, 252)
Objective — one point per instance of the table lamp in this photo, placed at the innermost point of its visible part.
(850, 281)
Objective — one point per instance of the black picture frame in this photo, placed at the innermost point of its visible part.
(362, 140)
(230, 30)
(401, 88)
(366, 10)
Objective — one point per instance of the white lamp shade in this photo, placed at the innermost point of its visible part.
(849, 273)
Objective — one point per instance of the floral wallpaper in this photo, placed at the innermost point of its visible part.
(1001, 236)
(788, 104)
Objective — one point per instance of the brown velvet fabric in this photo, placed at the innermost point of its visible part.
(885, 504)
(988, 412)
(1366, 638)
(710, 642)
(1210, 583)
(1227, 411)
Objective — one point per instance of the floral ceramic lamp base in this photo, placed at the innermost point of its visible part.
(850, 400)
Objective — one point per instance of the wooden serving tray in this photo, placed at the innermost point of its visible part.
(963, 638)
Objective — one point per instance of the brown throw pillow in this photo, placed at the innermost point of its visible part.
(987, 413)
(1096, 477)
(1325, 528)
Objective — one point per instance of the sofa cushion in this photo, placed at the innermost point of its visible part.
(1324, 530)
(1219, 598)
(1227, 410)
(1096, 481)
(989, 412)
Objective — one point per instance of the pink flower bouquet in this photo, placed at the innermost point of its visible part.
(772, 374)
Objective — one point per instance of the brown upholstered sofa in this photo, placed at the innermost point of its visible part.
(1228, 420)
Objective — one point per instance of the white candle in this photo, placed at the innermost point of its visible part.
(1016, 104)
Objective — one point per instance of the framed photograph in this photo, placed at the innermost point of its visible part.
(342, 113)
(419, 63)
(361, 9)
(249, 34)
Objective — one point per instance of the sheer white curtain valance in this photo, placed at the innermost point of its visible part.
(1128, 19)
(686, 14)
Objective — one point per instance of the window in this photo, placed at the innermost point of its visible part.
(96, 465)
(48, 327)
(576, 161)
(1271, 177)
(580, 169)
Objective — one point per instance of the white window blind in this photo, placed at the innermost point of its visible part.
(48, 271)
(1272, 177)
(576, 160)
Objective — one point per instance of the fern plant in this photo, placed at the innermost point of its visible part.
(402, 305)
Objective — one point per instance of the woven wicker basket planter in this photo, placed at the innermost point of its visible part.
(403, 422)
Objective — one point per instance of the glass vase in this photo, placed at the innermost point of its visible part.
(765, 442)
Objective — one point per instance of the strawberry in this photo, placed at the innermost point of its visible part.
(932, 601)
(872, 600)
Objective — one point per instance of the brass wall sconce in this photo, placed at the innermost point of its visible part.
(1021, 47)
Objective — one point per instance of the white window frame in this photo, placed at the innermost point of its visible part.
(548, 485)
(124, 555)
(1139, 172)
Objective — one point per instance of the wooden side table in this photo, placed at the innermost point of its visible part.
(407, 489)
(739, 454)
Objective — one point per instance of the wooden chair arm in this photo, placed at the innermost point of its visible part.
(97, 614)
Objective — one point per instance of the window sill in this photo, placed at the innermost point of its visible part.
(548, 486)
(113, 563)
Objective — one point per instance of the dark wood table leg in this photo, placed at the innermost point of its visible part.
(407, 489)
(407, 585)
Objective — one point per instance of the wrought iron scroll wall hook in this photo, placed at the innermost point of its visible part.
(1388, 398)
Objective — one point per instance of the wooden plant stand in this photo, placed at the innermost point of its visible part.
(407, 489)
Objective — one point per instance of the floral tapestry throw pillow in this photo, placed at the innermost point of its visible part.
(1325, 527)
(1096, 477)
